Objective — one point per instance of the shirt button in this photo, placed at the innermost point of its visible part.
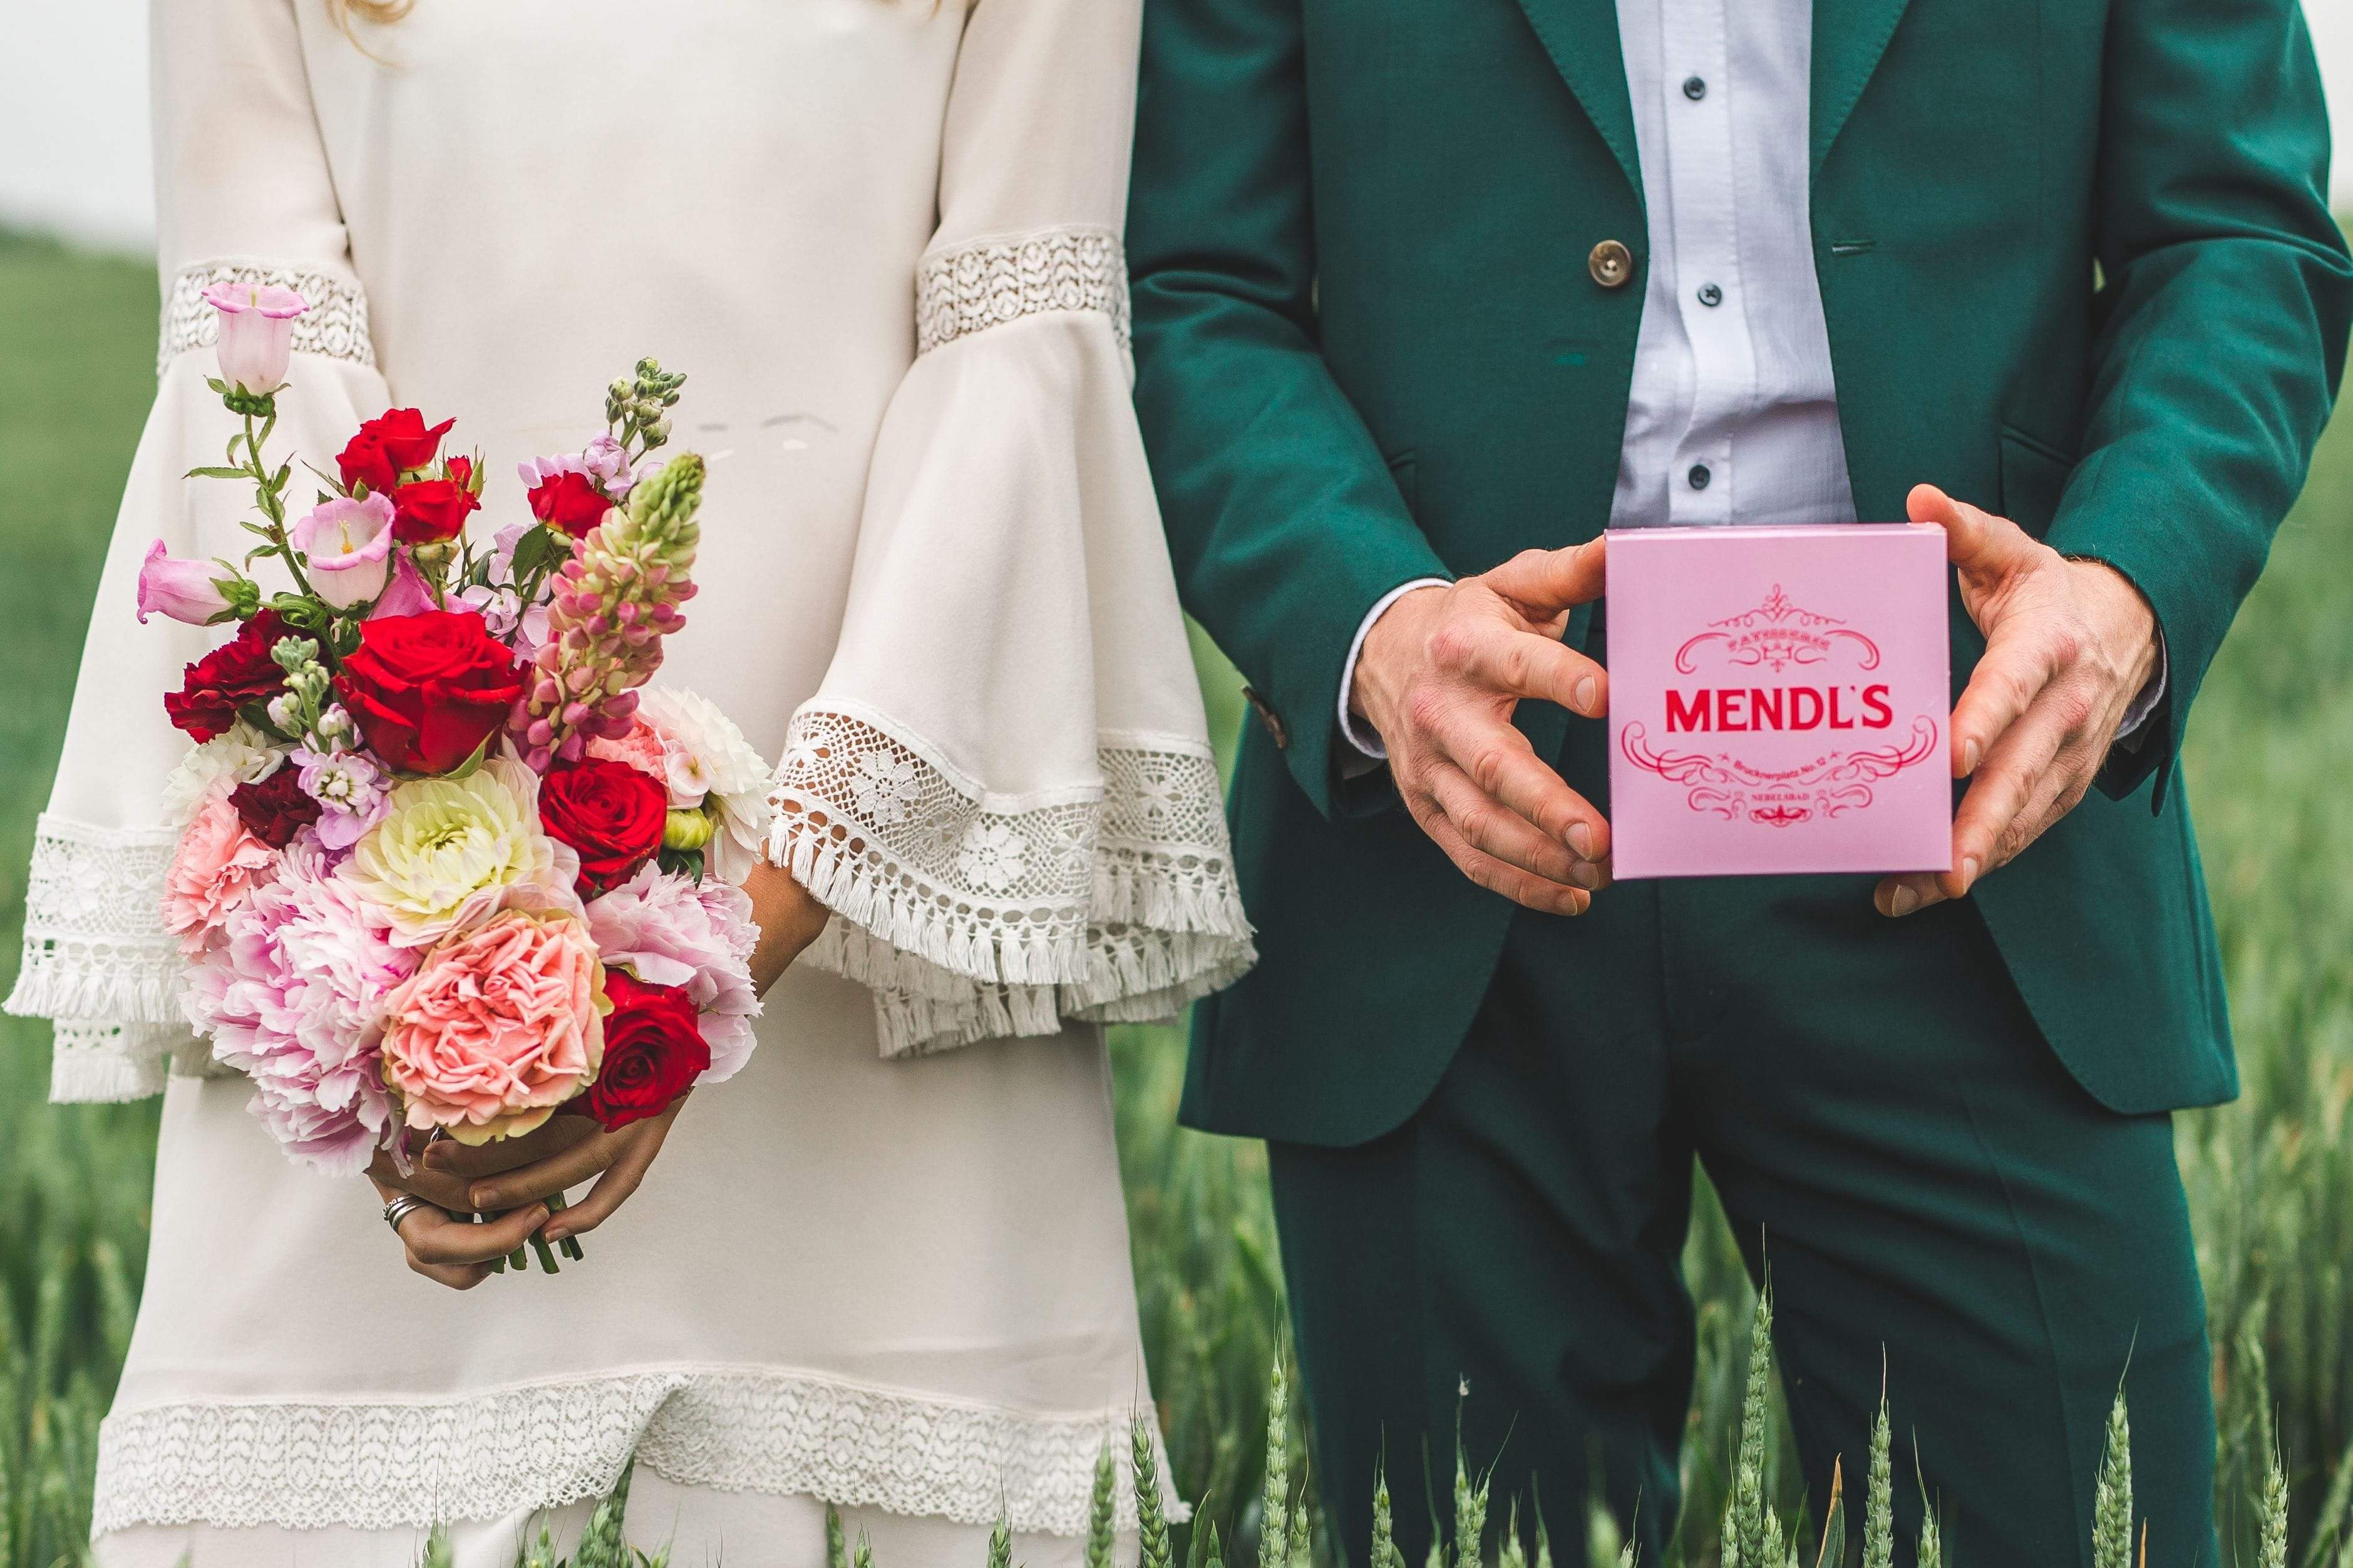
(1610, 263)
(1694, 88)
(1709, 294)
(1699, 475)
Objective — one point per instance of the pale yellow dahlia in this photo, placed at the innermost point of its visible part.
(451, 852)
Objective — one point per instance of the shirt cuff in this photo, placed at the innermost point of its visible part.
(1361, 738)
(2129, 735)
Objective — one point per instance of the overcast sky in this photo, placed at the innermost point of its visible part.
(73, 114)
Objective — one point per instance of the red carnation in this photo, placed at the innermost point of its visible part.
(426, 511)
(569, 503)
(393, 443)
(427, 689)
(654, 1051)
(609, 812)
(275, 808)
(234, 676)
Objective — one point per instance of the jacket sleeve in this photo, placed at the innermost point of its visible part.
(1003, 786)
(243, 195)
(2227, 296)
(1283, 520)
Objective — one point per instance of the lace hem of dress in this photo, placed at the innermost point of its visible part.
(962, 292)
(409, 1463)
(97, 957)
(974, 916)
(336, 324)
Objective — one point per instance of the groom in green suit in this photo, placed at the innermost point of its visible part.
(1429, 292)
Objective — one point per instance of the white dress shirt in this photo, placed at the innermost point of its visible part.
(1733, 414)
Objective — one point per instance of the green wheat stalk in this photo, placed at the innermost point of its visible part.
(1878, 1498)
(2275, 1535)
(1302, 1529)
(1102, 1525)
(1749, 1528)
(1385, 1551)
(1000, 1542)
(1215, 1554)
(1274, 1527)
(1151, 1515)
(601, 1545)
(1931, 1540)
(837, 1544)
(1512, 1554)
(2113, 1512)
(864, 1556)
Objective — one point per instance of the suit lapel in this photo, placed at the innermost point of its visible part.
(1581, 37)
(1850, 36)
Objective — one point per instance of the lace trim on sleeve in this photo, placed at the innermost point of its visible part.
(974, 917)
(98, 957)
(335, 326)
(962, 292)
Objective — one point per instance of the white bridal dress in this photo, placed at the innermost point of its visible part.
(887, 1266)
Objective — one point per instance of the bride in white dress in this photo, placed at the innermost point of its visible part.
(887, 1266)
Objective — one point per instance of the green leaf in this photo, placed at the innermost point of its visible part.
(216, 472)
(538, 549)
(687, 863)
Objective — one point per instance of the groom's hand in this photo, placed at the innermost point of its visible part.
(2069, 645)
(1439, 677)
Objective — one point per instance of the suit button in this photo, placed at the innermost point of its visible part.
(1275, 729)
(1612, 264)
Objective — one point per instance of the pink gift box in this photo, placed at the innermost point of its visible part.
(1779, 699)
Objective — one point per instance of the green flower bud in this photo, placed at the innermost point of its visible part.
(687, 829)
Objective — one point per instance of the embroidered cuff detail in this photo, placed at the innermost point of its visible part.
(959, 292)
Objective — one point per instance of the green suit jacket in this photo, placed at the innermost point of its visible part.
(2077, 266)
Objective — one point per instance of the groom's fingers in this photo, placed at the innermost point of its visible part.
(1501, 833)
(1547, 582)
(1498, 759)
(1527, 664)
(1484, 871)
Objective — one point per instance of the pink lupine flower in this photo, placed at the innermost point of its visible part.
(347, 548)
(257, 333)
(185, 591)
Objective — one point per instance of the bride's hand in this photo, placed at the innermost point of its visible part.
(789, 917)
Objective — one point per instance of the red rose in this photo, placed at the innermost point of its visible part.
(427, 689)
(609, 812)
(654, 1051)
(392, 443)
(425, 512)
(569, 503)
(273, 809)
(235, 675)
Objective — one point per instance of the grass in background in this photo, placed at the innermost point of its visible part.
(2270, 1179)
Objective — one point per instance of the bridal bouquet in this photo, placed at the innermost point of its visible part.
(447, 865)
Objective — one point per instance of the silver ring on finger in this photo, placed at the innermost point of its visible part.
(401, 1207)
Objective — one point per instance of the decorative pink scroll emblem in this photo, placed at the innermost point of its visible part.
(1779, 636)
(1776, 634)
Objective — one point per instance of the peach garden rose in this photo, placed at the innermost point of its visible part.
(498, 1026)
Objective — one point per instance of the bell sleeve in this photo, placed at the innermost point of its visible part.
(243, 195)
(1002, 787)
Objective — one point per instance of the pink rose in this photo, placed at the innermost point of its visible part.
(346, 547)
(215, 869)
(498, 1027)
(186, 590)
(257, 333)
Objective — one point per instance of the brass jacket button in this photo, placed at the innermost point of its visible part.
(1276, 729)
(1612, 264)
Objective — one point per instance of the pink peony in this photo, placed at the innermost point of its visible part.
(669, 930)
(641, 746)
(293, 997)
(215, 869)
(498, 1026)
